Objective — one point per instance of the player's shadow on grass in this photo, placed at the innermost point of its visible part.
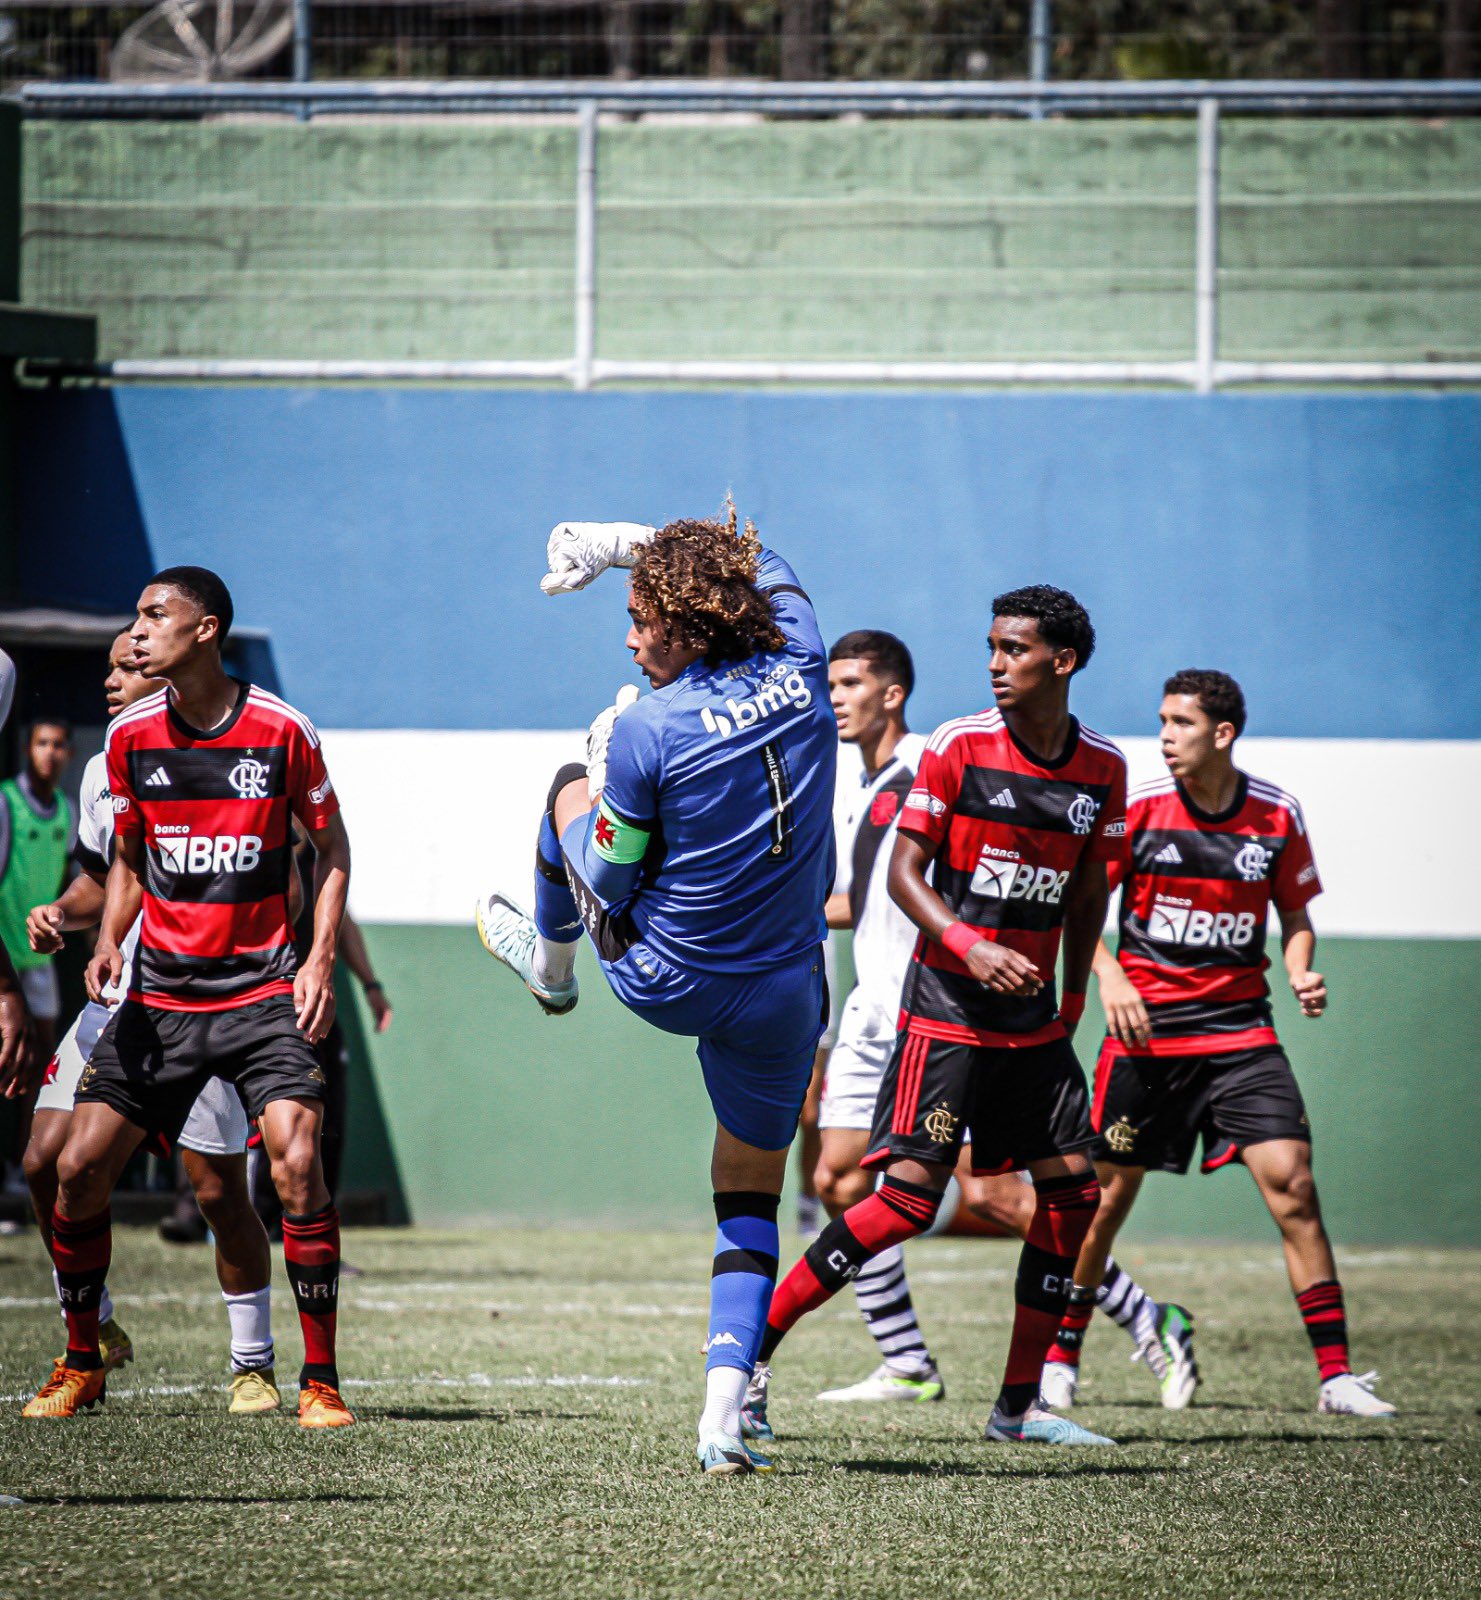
(1284, 1436)
(926, 1469)
(469, 1414)
(202, 1499)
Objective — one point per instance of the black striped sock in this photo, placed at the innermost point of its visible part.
(885, 1305)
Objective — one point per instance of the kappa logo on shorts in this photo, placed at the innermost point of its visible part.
(720, 1340)
(1121, 1136)
(941, 1123)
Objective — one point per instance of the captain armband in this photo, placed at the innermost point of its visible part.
(617, 840)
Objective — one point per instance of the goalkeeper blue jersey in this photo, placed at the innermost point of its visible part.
(720, 792)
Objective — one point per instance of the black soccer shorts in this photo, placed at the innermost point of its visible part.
(150, 1064)
(1150, 1110)
(1016, 1105)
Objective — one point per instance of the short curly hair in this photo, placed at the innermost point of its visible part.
(1063, 622)
(1216, 692)
(698, 579)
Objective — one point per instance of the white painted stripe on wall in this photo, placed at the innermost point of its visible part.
(437, 817)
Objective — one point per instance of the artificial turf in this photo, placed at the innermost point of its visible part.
(527, 1398)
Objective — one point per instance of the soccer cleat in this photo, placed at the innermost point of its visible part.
(508, 934)
(753, 1408)
(885, 1384)
(1348, 1395)
(723, 1455)
(319, 1406)
(254, 1392)
(115, 1346)
(1059, 1384)
(1175, 1335)
(1148, 1345)
(1039, 1425)
(67, 1391)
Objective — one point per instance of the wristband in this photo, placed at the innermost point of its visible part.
(374, 983)
(1071, 1008)
(959, 938)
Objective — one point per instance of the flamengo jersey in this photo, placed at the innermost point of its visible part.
(95, 850)
(1194, 907)
(884, 937)
(214, 812)
(1009, 831)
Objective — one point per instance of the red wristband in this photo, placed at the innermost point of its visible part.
(959, 938)
(1071, 1008)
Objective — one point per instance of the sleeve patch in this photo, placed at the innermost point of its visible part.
(617, 840)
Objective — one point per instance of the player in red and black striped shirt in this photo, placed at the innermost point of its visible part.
(1191, 1047)
(1020, 809)
(206, 776)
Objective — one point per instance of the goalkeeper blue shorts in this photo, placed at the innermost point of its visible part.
(757, 1033)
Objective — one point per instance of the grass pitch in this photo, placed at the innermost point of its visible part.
(527, 1400)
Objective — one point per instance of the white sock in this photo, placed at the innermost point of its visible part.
(251, 1318)
(555, 961)
(725, 1388)
(105, 1301)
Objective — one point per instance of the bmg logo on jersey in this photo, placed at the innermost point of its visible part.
(1001, 875)
(201, 853)
(1174, 921)
(781, 692)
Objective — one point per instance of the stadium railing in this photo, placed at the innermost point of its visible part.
(1187, 314)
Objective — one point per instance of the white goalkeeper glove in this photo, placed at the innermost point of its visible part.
(599, 736)
(578, 551)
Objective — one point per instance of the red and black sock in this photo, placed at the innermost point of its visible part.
(1046, 1271)
(1326, 1326)
(80, 1251)
(1070, 1339)
(895, 1212)
(311, 1249)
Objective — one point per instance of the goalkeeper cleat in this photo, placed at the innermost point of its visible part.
(253, 1392)
(508, 934)
(1059, 1384)
(1175, 1335)
(753, 1423)
(114, 1345)
(320, 1406)
(885, 1384)
(725, 1455)
(1348, 1395)
(67, 1391)
(1039, 1425)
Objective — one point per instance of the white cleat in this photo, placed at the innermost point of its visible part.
(885, 1384)
(727, 1455)
(1059, 1384)
(508, 934)
(1175, 1335)
(1348, 1395)
(1039, 1425)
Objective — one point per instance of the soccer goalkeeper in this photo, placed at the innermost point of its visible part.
(696, 847)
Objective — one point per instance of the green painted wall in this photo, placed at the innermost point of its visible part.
(879, 239)
(495, 1110)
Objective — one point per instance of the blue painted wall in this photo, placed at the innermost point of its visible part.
(1322, 548)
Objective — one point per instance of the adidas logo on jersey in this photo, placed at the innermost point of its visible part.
(1170, 854)
(158, 779)
(1004, 797)
(787, 692)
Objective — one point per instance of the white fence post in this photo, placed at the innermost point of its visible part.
(1206, 274)
(586, 244)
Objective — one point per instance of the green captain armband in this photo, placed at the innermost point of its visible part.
(617, 840)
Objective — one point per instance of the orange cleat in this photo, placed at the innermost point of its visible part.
(320, 1406)
(67, 1391)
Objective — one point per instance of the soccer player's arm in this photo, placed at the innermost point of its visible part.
(315, 804)
(124, 895)
(80, 904)
(19, 1063)
(620, 826)
(1295, 886)
(924, 820)
(790, 605)
(1127, 1017)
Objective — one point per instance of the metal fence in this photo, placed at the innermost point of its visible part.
(1192, 235)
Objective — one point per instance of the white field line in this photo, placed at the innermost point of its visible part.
(474, 1380)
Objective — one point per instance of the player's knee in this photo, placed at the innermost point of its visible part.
(39, 1161)
(1296, 1192)
(840, 1187)
(82, 1179)
(572, 772)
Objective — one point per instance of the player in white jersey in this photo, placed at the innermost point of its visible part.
(214, 1138)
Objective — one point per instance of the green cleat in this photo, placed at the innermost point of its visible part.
(885, 1384)
(1175, 1335)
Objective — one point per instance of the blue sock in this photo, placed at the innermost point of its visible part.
(743, 1276)
(556, 916)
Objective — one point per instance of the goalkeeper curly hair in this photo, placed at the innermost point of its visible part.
(698, 579)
